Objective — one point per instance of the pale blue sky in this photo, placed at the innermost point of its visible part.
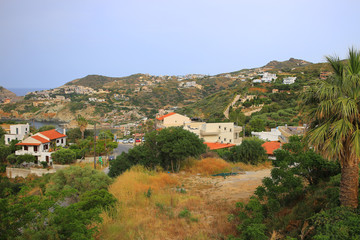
(46, 43)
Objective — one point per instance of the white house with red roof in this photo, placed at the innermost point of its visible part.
(171, 120)
(41, 145)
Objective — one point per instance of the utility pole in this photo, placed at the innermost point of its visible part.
(95, 146)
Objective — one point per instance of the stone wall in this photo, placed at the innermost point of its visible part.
(22, 172)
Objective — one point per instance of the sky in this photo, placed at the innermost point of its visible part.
(46, 43)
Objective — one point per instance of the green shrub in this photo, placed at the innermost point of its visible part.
(250, 151)
(337, 223)
(64, 156)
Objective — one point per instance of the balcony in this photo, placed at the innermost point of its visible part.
(209, 133)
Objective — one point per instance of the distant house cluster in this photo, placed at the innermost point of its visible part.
(289, 80)
(266, 77)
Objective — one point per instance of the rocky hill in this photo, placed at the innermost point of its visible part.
(289, 64)
(4, 93)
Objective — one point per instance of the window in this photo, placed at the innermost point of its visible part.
(224, 139)
(62, 140)
(35, 148)
(17, 131)
(236, 135)
(26, 148)
(230, 129)
(230, 140)
(219, 138)
(219, 127)
(8, 140)
(225, 128)
(57, 141)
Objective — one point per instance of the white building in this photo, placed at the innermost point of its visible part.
(268, 77)
(42, 144)
(171, 120)
(17, 132)
(273, 135)
(289, 80)
(216, 132)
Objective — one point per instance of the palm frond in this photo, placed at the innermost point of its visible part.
(353, 66)
(347, 108)
(336, 65)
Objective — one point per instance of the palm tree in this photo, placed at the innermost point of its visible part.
(82, 123)
(334, 121)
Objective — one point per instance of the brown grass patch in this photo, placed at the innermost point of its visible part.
(210, 166)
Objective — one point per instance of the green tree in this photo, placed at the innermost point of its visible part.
(4, 152)
(250, 151)
(257, 124)
(167, 148)
(334, 119)
(64, 156)
(82, 123)
(46, 128)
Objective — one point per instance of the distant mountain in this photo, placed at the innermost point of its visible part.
(98, 81)
(291, 63)
(4, 93)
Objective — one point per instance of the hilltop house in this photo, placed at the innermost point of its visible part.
(227, 133)
(171, 120)
(42, 144)
(289, 80)
(17, 132)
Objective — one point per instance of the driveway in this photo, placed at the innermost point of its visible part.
(117, 151)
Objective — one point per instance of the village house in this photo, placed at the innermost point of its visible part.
(171, 120)
(17, 132)
(42, 145)
(227, 133)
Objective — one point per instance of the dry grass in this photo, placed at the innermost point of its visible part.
(149, 203)
(210, 166)
(141, 215)
(90, 165)
(249, 167)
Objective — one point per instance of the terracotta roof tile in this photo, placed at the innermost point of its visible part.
(52, 134)
(271, 146)
(42, 140)
(214, 146)
(167, 115)
(27, 144)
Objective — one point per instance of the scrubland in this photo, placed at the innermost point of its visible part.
(191, 204)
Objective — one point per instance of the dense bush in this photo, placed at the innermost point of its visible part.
(64, 156)
(250, 151)
(337, 223)
(166, 148)
(302, 184)
(25, 158)
(80, 179)
(50, 215)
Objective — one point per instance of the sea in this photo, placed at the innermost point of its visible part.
(24, 91)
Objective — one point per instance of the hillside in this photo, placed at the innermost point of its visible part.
(118, 100)
(4, 93)
(289, 64)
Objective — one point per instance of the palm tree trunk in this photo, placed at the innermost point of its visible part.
(349, 185)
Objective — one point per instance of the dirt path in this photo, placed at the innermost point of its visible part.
(226, 112)
(231, 189)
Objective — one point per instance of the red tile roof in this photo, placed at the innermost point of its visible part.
(42, 140)
(271, 146)
(52, 134)
(167, 115)
(27, 144)
(214, 146)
